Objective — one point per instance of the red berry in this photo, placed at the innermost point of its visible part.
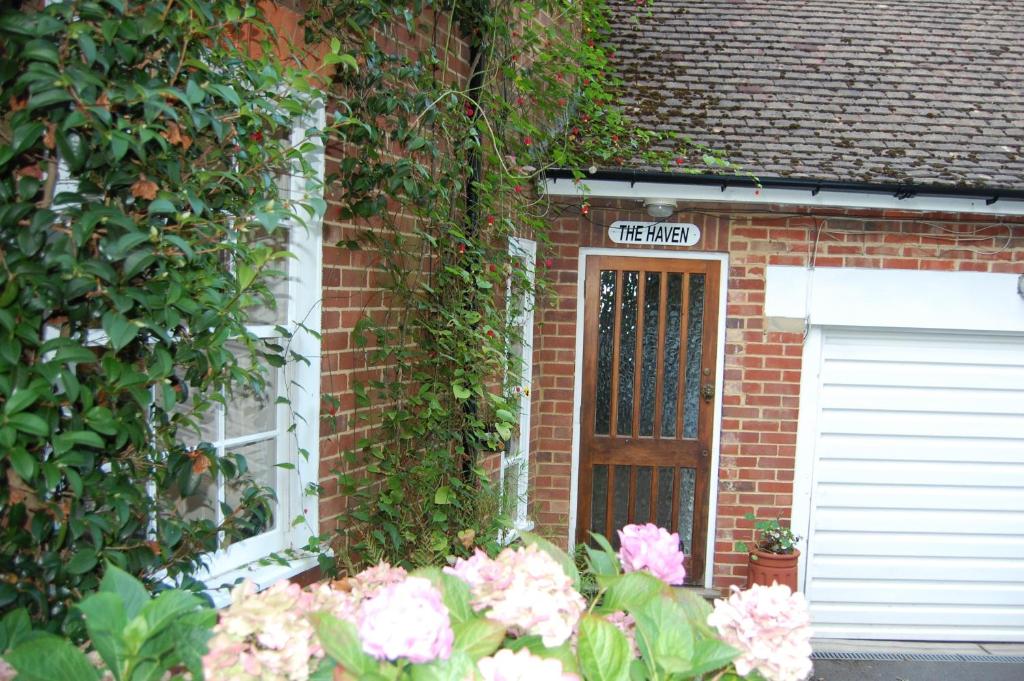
(527, 140)
(492, 267)
(490, 333)
(679, 161)
(490, 219)
(462, 248)
(585, 208)
(549, 262)
(518, 189)
(519, 101)
(256, 136)
(470, 110)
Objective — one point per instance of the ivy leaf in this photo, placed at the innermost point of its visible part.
(461, 392)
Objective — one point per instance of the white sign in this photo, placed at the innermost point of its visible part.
(654, 233)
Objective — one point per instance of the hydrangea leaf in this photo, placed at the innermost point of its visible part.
(603, 650)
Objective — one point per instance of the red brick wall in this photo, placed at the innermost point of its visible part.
(350, 287)
(762, 366)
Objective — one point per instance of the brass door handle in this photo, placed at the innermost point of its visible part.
(708, 392)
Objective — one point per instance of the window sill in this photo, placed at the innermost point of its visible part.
(263, 576)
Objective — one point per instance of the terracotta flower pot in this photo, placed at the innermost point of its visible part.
(765, 568)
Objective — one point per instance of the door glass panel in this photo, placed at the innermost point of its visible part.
(673, 319)
(261, 460)
(664, 505)
(627, 351)
(620, 502)
(605, 349)
(694, 331)
(599, 499)
(649, 367)
(643, 494)
(687, 490)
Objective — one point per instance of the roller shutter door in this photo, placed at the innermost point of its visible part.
(916, 527)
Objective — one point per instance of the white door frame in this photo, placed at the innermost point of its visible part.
(723, 259)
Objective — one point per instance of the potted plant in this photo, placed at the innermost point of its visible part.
(774, 555)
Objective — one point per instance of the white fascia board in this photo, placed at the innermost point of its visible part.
(825, 198)
(904, 299)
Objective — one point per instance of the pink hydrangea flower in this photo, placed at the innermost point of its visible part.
(523, 665)
(627, 625)
(406, 620)
(372, 580)
(770, 625)
(269, 635)
(652, 548)
(526, 590)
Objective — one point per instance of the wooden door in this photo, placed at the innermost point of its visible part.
(649, 352)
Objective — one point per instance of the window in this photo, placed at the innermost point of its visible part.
(515, 460)
(277, 431)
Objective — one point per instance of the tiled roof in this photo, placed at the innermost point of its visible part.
(895, 91)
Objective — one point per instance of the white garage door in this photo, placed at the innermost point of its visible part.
(916, 527)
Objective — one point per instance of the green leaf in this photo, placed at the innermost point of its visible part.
(131, 590)
(29, 423)
(23, 462)
(161, 207)
(21, 400)
(82, 561)
(443, 496)
(662, 627)
(119, 329)
(85, 438)
(460, 391)
(563, 559)
(458, 667)
(105, 620)
(340, 640)
(712, 654)
(47, 658)
(631, 591)
(478, 637)
(603, 650)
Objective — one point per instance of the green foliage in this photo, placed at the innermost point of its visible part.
(444, 176)
(136, 638)
(772, 536)
(125, 287)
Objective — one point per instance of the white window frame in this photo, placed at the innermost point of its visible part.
(517, 453)
(297, 511)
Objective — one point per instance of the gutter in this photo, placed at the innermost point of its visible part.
(898, 190)
(641, 184)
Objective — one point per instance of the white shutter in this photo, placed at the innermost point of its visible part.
(917, 500)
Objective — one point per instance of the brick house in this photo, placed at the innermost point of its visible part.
(837, 343)
(840, 346)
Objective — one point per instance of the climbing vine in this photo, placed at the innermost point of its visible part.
(439, 168)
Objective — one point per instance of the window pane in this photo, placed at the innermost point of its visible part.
(261, 460)
(605, 347)
(277, 283)
(649, 368)
(201, 504)
(620, 502)
(599, 499)
(643, 494)
(250, 411)
(673, 319)
(687, 488)
(695, 329)
(627, 351)
(664, 505)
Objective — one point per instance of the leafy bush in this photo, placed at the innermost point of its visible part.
(516, 616)
(140, 147)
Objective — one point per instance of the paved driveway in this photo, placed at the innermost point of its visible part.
(913, 670)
